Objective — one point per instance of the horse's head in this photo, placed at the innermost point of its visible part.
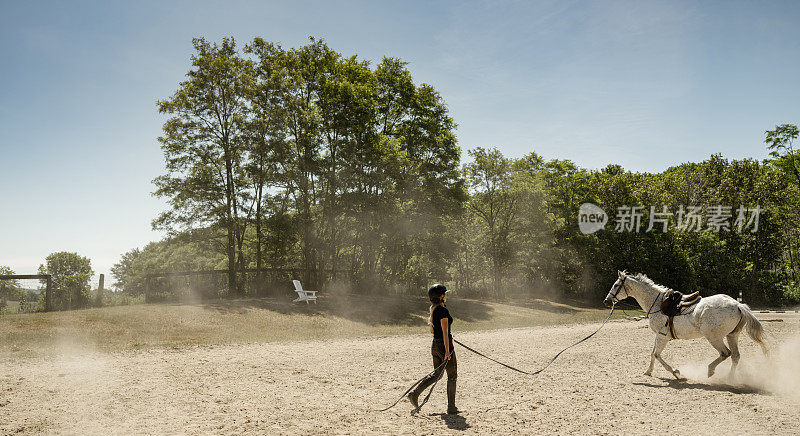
(618, 290)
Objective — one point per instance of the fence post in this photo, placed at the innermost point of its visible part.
(99, 301)
(48, 295)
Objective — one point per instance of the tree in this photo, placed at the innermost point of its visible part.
(9, 289)
(70, 279)
(495, 201)
(787, 159)
(534, 238)
(266, 131)
(781, 141)
(123, 271)
(204, 147)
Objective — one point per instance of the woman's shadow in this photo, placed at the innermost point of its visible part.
(454, 421)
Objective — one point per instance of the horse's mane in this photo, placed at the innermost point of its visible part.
(646, 280)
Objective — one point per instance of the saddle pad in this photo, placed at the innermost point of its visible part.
(690, 300)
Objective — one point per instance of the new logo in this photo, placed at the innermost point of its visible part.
(591, 218)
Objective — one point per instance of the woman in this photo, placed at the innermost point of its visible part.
(441, 349)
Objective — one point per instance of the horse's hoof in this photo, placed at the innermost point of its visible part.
(710, 372)
(678, 376)
(648, 373)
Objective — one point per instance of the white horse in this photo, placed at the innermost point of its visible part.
(714, 317)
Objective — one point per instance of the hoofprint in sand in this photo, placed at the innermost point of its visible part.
(331, 386)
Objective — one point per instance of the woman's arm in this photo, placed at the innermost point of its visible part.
(445, 334)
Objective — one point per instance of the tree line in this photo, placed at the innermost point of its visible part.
(304, 159)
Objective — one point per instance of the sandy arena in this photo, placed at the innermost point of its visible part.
(329, 387)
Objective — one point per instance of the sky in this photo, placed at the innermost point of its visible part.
(646, 85)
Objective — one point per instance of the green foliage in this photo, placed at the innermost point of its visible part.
(70, 279)
(309, 161)
(121, 299)
(203, 145)
(781, 142)
(9, 289)
(534, 245)
(123, 271)
(304, 158)
(182, 253)
(495, 201)
(787, 161)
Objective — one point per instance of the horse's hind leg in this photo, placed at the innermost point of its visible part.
(733, 343)
(724, 353)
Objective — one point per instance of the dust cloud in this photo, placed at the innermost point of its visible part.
(777, 373)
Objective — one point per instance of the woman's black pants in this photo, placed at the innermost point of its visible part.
(437, 351)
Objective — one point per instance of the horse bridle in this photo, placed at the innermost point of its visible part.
(614, 298)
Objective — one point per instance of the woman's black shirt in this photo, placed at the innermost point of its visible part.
(439, 313)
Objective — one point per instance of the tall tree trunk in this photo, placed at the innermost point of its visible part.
(240, 262)
(231, 256)
(233, 286)
(259, 193)
(792, 266)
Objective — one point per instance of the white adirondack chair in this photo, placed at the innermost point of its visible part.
(302, 294)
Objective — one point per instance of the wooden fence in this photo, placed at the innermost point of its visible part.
(48, 301)
(309, 277)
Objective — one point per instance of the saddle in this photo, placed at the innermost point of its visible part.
(675, 303)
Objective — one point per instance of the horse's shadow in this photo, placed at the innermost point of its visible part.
(680, 385)
(454, 421)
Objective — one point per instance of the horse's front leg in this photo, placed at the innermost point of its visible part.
(649, 371)
(661, 342)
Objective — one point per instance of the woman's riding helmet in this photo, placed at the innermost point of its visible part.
(436, 291)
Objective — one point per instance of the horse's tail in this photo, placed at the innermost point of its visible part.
(754, 328)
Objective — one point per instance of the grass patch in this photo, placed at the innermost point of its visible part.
(11, 307)
(141, 326)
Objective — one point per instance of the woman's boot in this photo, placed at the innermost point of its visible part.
(413, 397)
(451, 396)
